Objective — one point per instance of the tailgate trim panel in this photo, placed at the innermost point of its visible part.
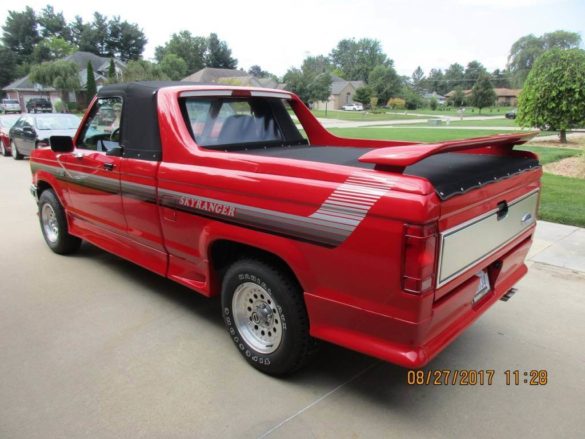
(471, 242)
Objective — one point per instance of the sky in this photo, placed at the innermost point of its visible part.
(278, 35)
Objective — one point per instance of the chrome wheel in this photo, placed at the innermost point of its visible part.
(49, 222)
(257, 318)
(13, 150)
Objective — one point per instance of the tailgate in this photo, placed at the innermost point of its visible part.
(467, 244)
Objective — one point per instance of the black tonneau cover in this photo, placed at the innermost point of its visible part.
(450, 173)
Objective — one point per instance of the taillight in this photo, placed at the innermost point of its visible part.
(419, 253)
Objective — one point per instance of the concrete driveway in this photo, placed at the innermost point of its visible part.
(94, 347)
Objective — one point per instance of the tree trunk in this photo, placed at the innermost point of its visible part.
(563, 136)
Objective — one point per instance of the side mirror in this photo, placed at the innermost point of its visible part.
(28, 130)
(61, 143)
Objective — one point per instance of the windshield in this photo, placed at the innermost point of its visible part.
(8, 120)
(58, 122)
(240, 123)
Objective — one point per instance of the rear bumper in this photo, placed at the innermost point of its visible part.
(413, 344)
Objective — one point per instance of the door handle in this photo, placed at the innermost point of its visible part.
(78, 155)
(109, 166)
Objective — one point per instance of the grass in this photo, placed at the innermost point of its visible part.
(548, 155)
(360, 115)
(562, 200)
(483, 123)
(450, 111)
(411, 134)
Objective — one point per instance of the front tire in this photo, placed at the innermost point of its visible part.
(54, 225)
(264, 313)
(15, 154)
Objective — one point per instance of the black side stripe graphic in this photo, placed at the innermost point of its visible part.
(335, 220)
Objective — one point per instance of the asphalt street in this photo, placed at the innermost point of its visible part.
(92, 346)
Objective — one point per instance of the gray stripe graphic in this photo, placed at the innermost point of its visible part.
(337, 218)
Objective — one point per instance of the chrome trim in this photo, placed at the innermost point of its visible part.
(201, 93)
(442, 279)
(34, 191)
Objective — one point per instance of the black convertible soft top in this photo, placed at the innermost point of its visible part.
(140, 134)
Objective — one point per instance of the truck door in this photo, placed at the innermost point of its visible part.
(92, 170)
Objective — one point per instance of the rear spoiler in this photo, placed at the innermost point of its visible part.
(400, 157)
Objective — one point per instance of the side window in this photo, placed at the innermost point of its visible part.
(102, 129)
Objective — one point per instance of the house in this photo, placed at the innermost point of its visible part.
(342, 93)
(24, 89)
(231, 77)
(504, 96)
(441, 100)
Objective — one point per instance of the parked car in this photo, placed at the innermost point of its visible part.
(10, 106)
(353, 107)
(39, 105)
(386, 247)
(511, 114)
(33, 131)
(6, 122)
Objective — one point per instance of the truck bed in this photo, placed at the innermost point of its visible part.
(451, 173)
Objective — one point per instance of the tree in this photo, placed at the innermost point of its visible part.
(433, 103)
(90, 87)
(454, 76)
(316, 65)
(125, 40)
(418, 79)
(298, 83)
(173, 66)
(473, 71)
(436, 82)
(7, 66)
(552, 96)
(61, 75)
(20, 33)
(53, 25)
(411, 98)
(482, 93)
(142, 70)
(397, 103)
(527, 49)
(384, 82)
(51, 49)
(363, 94)
(257, 72)
(357, 59)
(112, 71)
(501, 78)
(320, 87)
(218, 54)
(186, 46)
(458, 97)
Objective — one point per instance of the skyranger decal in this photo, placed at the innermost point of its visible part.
(208, 206)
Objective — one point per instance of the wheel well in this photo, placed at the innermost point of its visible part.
(223, 253)
(42, 186)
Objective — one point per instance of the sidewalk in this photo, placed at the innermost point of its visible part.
(559, 245)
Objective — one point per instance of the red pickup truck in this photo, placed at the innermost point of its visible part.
(388, 248)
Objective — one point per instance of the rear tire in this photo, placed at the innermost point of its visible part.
(15, 154)
(264, 313)
(54, 225)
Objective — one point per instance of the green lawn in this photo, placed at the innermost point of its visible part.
(549, 155)
(562, 200)
(500, 122)
(450, 111)
(412, 134)
(361, 115)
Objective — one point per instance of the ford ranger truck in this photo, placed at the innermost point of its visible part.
(388, 248)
